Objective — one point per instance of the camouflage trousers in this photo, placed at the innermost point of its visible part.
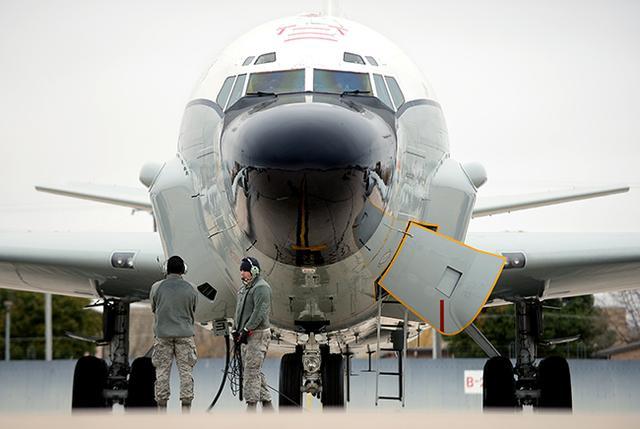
(254, 386)
(164, 351)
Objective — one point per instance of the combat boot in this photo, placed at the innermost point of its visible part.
(252, 407)
(186, 407)
(162, 406)
(267, 406)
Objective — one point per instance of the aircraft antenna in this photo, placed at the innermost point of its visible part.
(331, 8)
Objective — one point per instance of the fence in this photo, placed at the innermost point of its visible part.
(598, 385)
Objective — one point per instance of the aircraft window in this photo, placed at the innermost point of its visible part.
(247, 61)
(277, 82)
(348, 57)
(338, 82)
(237, 89)
(223, 95)
(266, 58)
(381, 90)
(372, 61)
(396, 92)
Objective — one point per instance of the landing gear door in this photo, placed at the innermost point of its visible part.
(442, 281)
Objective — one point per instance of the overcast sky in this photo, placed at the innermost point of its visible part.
(543, 93)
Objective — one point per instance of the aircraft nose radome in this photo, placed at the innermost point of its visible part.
(308, 179)
(305, 136)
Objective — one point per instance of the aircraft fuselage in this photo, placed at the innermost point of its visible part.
(313, 163)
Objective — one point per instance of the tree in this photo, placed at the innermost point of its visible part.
(630, 301)
(27, 325)
(575, 316)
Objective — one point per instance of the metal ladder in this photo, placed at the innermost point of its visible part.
(401, 355)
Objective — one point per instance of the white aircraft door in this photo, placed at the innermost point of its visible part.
(442, 281)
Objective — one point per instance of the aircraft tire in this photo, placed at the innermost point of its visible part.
(333, 381)
(142, 380)
(554, 382)
(89, 379)
(290, 381)
(499, 386)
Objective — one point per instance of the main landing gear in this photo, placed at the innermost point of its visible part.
(99, 385)
(311, 369)
(545, 386)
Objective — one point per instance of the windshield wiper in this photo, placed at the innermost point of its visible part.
(262, 93)
(354, 92)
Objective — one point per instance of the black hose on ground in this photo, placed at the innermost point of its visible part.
(226, 371)
(237, 375)
(240, 373)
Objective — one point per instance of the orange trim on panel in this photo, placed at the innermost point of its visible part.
(430, 226)
(486, 298)
(425, 226)
(395, 255)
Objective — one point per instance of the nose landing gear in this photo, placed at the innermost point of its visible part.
(312, 369)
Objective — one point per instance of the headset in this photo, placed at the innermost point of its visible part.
(166, 262)
(255, 270)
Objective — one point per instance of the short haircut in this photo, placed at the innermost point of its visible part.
(175, 265)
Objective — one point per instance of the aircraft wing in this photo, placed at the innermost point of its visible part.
(554, 265)
(136, 198)
(81, 264)
(488, 206)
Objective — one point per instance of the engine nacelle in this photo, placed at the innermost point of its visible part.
(451, 196)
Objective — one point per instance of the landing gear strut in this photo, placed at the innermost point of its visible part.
(116, 390)
(98, 385)
(546, 385)
(311, 369)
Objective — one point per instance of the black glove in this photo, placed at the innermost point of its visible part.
(236, 336)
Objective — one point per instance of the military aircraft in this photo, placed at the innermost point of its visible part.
(313, 144)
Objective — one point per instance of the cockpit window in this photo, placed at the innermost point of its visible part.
(266, 58)
(276, 82)
(338, 82)
(372, 61)
(223, 95)
(247, 61)
(348, 57)
(237, 89)
(381, 90)
(396, 92)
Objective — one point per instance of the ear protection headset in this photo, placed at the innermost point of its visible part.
(165, 269)
(255, 270)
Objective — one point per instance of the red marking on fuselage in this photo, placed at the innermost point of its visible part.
(310, 37)
(329, 32)
(280, 30)
(341, 29)
(316, 33)
(442, 315)
(311, 27)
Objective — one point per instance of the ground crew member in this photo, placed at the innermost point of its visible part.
(252, 331)
(173, 302)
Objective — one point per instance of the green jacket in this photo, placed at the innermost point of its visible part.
(254, 306)
(173, 302)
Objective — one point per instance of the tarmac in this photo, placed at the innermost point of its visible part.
(322, 420)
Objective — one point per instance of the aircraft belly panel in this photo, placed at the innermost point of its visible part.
(442, 281)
